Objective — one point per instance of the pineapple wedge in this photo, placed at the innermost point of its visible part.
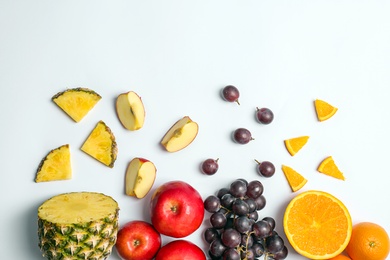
(78, 225)
(55, 165)
(76, 102)
(101, 145)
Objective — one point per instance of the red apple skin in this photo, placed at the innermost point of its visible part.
(180, 250)
(137, 240)
(176, 209)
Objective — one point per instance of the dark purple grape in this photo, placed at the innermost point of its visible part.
(264, 115)
(218, 220)
(260, 202)
(217, 248)
(242, 224)
(258, 249)
(274, 244)
(210, 234)
(247, 240)
(271, 221)
(231, 237)
(242, 136)
(238, 188)
(254, 215)
(222, 192)
(210, 166)
(251, 204)
(231, 254)
(282, 254)
(231, 94)
(227, 200)
(240, 207)
(212, 204)
(261, 229)
(248, 254)
(254, 189)
(265, 169)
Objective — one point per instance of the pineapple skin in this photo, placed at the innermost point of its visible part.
(92, 240)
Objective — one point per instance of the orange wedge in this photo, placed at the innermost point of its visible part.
(294, 179)
(328, 167)
(317, 225)
(295, 144)
(324, 110)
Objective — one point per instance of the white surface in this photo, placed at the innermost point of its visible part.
(177, 55)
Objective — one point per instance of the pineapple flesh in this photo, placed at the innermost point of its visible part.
(76, 102)
(78, 225)
(101, 145)
(55, 165)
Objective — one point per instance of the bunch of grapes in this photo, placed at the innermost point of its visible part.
(236, 231)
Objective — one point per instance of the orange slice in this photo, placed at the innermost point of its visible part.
(328, 167)
(295, 144)
(317, 225)
(324, 110)
(294, 179)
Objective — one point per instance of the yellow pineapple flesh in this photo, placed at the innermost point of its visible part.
(76, 102)
(56, 165)
(78, 225)
(101, 145)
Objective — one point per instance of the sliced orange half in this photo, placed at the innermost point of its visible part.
(329, 167)
(317, 225)
(293, 145)
(294, 179)
(324, 110)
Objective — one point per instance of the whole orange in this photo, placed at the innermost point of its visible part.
(369, 241)
(340, 257)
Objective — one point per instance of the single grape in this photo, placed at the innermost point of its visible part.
(282, 254)
(238, 188)
(231, 237)
(274, 244)
(254, 189)
(264, 115)
(265, 168)
(248, 254)
(242, 136)
(231, 94)
(254, 215)
(261, 229)
(217, 248)
(240, 207)
(212, 204)
(258, 249)
(242, 224)
(218, 220)
(210, 166)
(222, 192)
(227, 200)
(247, 240)
(260, 202)
(271, 221)
(210, 234)
(251, 204)
(231, 254)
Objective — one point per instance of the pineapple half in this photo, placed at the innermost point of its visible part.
(76, 102)
(78, 225)
(101, 145)
(55, 165)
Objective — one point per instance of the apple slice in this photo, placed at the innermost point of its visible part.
(180, 135)
(140, 176)
(130, 110)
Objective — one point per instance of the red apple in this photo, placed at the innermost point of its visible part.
(180, 250)
(176, 209)
(137, 240)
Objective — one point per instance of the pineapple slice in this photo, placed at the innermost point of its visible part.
(101, 144)
(55, 165)
(76, 102)
(78, 225)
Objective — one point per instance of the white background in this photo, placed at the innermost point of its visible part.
(177, 55)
